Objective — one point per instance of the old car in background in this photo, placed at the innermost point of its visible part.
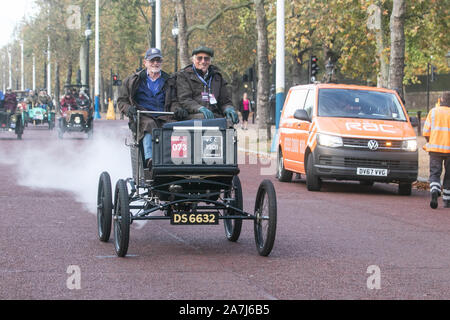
(11, 122)
(22, 105)
(76, 113)
(41, 115)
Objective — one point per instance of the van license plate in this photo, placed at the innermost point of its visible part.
(371, 172)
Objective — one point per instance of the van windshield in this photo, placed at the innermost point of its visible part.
(347, 103)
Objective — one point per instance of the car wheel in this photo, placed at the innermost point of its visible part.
(404, 188)
(104, 207)
(265, 223)
(283, 175)
(233, 226)
(313, 182)
(121, 219)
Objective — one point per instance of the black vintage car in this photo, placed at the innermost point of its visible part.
(11, 122)
(193, 180)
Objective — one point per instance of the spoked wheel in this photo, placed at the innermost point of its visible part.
(265, 223)
(233, 226)
(121, 219)
(104, 207)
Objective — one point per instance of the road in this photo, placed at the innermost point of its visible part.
(345, 242)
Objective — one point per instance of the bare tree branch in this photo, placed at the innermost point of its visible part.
(214, 18)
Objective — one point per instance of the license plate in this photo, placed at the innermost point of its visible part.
(372, 172)
(199, 218)
(179, 147)
(212, 147)
(39, 117)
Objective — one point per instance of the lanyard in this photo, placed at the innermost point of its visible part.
(208, 84)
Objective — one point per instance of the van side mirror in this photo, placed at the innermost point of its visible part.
(301, 114)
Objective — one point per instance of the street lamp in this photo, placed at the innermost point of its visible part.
(175, 31)
(87, 34)
(152, 4)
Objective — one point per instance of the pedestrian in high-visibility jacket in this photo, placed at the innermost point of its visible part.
(437, 132)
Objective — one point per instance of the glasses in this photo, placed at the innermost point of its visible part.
(204, 58)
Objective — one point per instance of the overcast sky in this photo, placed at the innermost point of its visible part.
(11, 13)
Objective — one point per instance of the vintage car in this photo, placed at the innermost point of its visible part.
(41, 114)
(78, 120)
(76, 117)
(193, 180)
(11, 122)
(22, 107)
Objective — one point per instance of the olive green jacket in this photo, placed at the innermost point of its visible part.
(190, 88)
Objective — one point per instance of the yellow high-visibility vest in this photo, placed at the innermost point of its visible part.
(437, 128)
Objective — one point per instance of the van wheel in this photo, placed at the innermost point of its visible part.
(283, 175)
(313, 182)
(404, 188)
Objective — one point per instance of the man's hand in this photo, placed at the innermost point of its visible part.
(180, 114)
(206, 113)
(232, 115)
(132, 112)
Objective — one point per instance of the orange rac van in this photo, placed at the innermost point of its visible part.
(346, 132)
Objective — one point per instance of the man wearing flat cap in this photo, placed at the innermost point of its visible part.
(202, 91)
(145, 90)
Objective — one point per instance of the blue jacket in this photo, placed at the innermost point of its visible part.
(148, 100)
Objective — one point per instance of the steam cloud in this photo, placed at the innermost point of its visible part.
(73, 164)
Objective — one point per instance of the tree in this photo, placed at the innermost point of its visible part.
(375, 22)
(336, 29)
(183, 38)
(263, 65)
(397, 59)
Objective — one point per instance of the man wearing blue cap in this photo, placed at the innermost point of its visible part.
(202, 91)
(145, 90)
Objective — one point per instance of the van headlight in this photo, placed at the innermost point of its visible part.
(409, 145)
(327, 140)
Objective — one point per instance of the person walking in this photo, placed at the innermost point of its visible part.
(436, 131)
(245, 109)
